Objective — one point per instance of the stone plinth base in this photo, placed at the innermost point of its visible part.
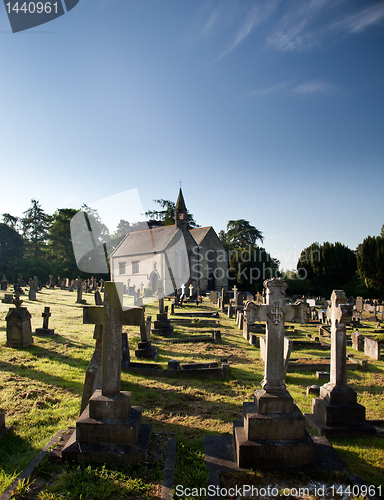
(110, 453)
(3, 428)
(271, 436)
(45, 331)
(337, 413)
(146, 350)
(162, 326)
(109, 430)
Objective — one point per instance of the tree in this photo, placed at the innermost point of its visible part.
(11, 221)
(250, 266)
(327, 267)
(370, 259)
(60, 242)
(240, 233)
(11, 250)
(35, 227)
(167, 215)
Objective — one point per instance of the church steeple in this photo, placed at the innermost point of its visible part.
(181, 212)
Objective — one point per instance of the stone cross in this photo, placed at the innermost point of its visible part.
(182, 289)
(190, 289)
(339, 314)
(112, 317)
(235, 291)
(46, 315)
(258, 298)
(275, 313)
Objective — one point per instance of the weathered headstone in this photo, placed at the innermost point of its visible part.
(357, 341)
(34, 287)
(19, 332)
(336, 412)
(79, 299)
(109, 430)
(272, 432)
(359, 304)
(45, 330)
(372, 348)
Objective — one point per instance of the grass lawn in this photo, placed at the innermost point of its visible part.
(41, 388)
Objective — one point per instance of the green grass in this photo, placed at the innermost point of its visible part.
(41, 389)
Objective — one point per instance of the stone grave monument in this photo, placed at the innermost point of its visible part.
(336, 412)
(45, 330)
(162, 325)
(144, 348)
(19, 331)
(33, 288)
(109, 430)
(272, 432)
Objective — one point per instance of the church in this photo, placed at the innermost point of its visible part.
(166, 257)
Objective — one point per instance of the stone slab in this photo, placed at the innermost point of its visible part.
(118, 454)
(272, 453)
(45, 331)
(339, 430)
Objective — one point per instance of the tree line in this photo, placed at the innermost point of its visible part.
(40, 244)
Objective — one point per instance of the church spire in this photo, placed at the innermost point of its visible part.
(181, 212)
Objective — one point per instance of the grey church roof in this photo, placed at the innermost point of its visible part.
(146, 241)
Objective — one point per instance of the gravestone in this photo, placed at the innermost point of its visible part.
(45, 330)
(3, 428)
(372, 348)
(250, 298)
(213, 297)
(144, 348)
(239, 300)
(110, 430)
(34, 287)
(190, 291)
(357, 341)
(288, 344)
(8, 298)
(336, 412)
(4, 283)
(359, 304)
(162, 325)
(272, 432)
(92, 381)
(19, 332)
(79, 299)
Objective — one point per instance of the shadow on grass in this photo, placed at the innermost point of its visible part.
(42, 376)
(11, 462)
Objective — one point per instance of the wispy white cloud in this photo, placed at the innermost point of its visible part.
(252, 18)
(273, 89)
(307, 88)
(313, 87)
(361, 20)
(307, 24)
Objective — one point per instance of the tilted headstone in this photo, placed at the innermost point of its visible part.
(45, 330)
(19, 331)
(357, 341)
(272, 432)
(336, 412)
(109, 430)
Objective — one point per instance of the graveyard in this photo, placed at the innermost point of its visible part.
(42, 388)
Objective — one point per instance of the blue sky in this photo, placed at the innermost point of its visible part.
(270, 111)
